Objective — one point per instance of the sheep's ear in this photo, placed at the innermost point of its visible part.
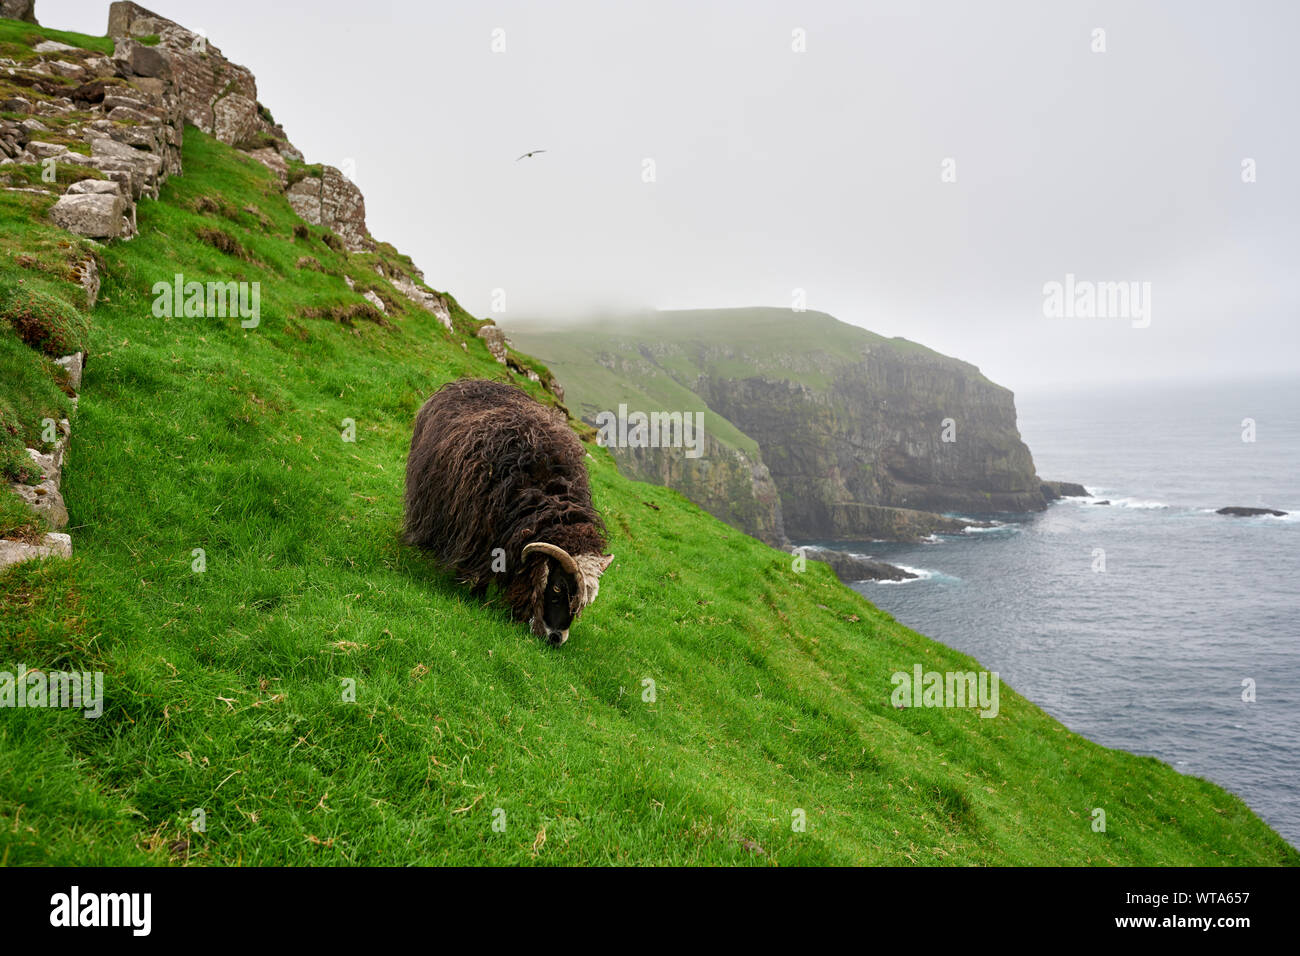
(605, 560)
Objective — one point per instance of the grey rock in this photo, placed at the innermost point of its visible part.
(97, 216)
(51, 546)
(495, 340)
(75, 364)
(45, 150)
(333, 201)
(133, 58)
(45, 500)
(53, 46)
(92, 186)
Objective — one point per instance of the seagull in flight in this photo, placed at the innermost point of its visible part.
(533, 153)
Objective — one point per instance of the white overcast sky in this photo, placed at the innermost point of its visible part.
(819, 170)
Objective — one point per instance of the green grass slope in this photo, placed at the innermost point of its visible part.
(225, 688)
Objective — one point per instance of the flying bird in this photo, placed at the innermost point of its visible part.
(533, 153)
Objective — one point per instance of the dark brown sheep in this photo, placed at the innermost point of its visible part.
(497, 491)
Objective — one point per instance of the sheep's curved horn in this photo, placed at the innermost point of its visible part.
(556, 552)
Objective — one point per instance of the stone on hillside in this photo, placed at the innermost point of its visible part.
(373, 298)
(333, 201)
(116, 99)
(52, 46)
(273, 161)
(495, 340)
(92, 186)
(135, 59)
(427, 300)
(235, 118)
(96, 216)
(45, 500)
(51, 546)
(15, 104)
(74, 363)
(45, 150)
(129, 114)
(72, 71)
(87, 273)
(34, 126)
(50, 463)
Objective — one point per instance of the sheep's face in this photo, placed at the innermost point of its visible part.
(560, 594)
(560, 602)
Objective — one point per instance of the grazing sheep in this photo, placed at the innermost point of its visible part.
(497, 491)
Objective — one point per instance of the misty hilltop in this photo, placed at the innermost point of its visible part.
(815, 429)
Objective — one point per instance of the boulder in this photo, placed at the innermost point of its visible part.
(235, 118)
(495, 340)
(45, 500)
(46, 150)
(87, 272)
(1237, 511)
(273, 161)
(75, 364)
(133, 58)
(94, 186)
(333, 201)
(94, 215)
(51, 546)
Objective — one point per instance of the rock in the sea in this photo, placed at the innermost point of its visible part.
(854, 567)
(1063, 489)
(1240, 512)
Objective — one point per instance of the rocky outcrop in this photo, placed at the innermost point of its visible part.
(331, 200)
(1052, 490)
(18, 10)
(216, 95)
(856, 567)
(1237, 511)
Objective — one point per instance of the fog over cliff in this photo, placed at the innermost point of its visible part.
(820, 170)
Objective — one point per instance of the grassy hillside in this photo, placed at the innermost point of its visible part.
(224, 688)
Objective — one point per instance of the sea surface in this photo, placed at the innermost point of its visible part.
(1149, 654)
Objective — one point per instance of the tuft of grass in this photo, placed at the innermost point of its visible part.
(43, 319)
(275, 656)
(23, 36)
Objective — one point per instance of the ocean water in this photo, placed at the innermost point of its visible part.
(1150, 654)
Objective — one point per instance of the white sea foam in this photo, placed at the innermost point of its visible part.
(997, 526)
(1140, 504)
